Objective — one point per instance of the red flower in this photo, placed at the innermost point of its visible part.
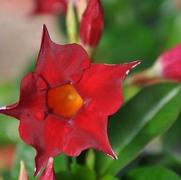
(65, 103)
(50, 6)
(168, 64)
(91, 25)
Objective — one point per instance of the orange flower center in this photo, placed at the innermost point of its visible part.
(64, 100)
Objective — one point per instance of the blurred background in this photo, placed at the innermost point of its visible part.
(134, 29)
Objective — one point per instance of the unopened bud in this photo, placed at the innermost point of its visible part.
(91, 25)
(168, 65)
(23, 173)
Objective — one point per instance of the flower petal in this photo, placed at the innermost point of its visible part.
(59, 64)
(48, 139)
(71, 136)
(92, 23)
(89, 131)
(50, 6)
(33, 111)
(100, 87)
(32, 99)
(168, 64)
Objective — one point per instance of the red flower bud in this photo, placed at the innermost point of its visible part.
(91, 25)
(23, 173)
(48, 173)
(168, 64)
(50, 6)
(65, 103)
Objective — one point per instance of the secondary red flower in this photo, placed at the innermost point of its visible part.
(92, 23)
(50, 6)
(168, 64)
(65, 103)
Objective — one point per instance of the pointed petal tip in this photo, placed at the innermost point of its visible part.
(40, 162)
(45, 34)
(112, 154)
(2, 108)
(45, 28)
(135, 63)
(35, 172)
(132, 65)
(11, 110)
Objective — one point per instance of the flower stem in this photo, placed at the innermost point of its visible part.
(143, 78)
(71, 23)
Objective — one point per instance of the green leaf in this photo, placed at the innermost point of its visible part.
(27, 154)
(8, 128)
(144, 117)
(82, 172)
(152, 173)
(61, 163)
(90, 159)
(77, 172)
(171, 139)
(109, 177)
(64, 175)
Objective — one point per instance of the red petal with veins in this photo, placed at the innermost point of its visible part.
(170, 63)
(92, 23)
(50, 6)
(59, 64)
(102, 90)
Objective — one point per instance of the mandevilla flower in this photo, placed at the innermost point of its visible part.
(91, 25)
(50, 6)
(168, 64)
(65, 103)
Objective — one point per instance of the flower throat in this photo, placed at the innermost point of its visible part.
(64, 100)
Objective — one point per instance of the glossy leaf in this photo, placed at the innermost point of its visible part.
(171, 140)
(144, 117)
(150, 173)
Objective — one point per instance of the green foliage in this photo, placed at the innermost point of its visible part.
(134, 29)
(8, 128)
(77, 172)
(27, 154)
(137, 29)
(171, 140)
(144, 117)
(152, 173)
